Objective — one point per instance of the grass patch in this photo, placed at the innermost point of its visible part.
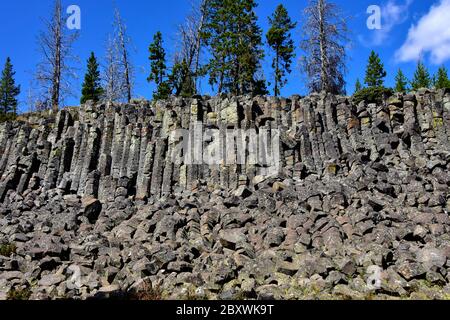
(7, 250)
(19, 294)
(146, 293)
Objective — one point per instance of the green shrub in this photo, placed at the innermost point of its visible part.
(7, 250)
(19, 294)
(57, 152)
(372, 95)
(4, 117)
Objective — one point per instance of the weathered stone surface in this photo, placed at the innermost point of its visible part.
(230, 239)
(432, 257)
(50, 280)
(91, 208)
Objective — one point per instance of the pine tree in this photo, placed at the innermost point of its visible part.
(163, 91)
(358, 86)
(375, 72)
(422, 77)
(158, 68)
(401, 82)
(280, 40)
(442, 80)
(235, 41)
(8, 90)
(92, 89)
(181, 79)
(260, 88)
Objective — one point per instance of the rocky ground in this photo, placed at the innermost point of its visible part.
(287, 240)
(366, 227)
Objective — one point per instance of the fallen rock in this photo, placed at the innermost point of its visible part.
(231, 238)
(91, 208)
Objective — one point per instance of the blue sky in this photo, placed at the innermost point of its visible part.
(409, 28)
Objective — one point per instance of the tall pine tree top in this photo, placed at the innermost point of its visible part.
(422, 77)
(442, 80)
(280, 40)
(375, 72)
(232, 33)
(8, 90)
(158, 67)
(280, 28)
(157, 59)
(401, 83)
(92, 89)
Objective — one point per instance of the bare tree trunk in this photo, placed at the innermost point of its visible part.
(198, 48)
(221, 78)
(57, 58)
(236, 77)
(236, 80)
(112, 77)
(323, 49)
(127, 74)
(124, 55)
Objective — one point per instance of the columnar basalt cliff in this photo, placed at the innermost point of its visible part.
(100, 200)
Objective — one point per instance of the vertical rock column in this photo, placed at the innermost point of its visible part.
(439, 128)
(105, 154)
(120, 127)
(446, 117)
(6, 142)
(311, 125)
(305, 143)
(90, 161)
(330, 137)
(145, 163)
(412, 139)
(158, 162)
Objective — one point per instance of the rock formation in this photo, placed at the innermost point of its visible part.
(98, 200)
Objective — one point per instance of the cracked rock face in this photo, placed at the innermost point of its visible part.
(98, 201)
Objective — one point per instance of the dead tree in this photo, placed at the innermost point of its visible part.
(54, 72)
(123, 42)
(191, 40)
(325, 35)
(113, 78)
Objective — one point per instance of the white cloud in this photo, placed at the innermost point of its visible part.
(392, 14)
(431, 36)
